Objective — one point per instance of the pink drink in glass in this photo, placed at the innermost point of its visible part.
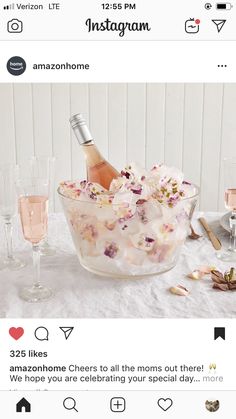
(34, 217)
(230, 199)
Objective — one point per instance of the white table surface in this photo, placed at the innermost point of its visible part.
(80, 294)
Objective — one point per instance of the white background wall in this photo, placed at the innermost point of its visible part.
(191, 126)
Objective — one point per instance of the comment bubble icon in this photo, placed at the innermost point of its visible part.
(41, 333)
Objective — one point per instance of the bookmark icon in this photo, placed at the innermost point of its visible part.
(219, 332)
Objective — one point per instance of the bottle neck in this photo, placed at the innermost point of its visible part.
(85, 139)
(92, 155)
(83, 134)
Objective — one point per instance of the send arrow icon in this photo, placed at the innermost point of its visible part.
(67, 331)
(219, 23)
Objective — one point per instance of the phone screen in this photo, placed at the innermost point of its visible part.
(117, 209)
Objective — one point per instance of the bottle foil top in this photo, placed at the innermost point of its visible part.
(80, 128)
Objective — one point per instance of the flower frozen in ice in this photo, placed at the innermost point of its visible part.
(142, 241)
(111, 250)
(88, 232)
(110, 225)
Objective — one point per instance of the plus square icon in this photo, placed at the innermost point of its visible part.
(117, 404)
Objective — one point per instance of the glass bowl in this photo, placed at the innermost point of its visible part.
(148, 243)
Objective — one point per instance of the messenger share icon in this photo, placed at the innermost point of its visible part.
(67, 331)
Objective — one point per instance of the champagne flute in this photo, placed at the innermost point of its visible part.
(44, 167)
(229, 255)
(8, 175)
(33, 207)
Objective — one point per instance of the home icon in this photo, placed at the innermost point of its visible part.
(23, 406)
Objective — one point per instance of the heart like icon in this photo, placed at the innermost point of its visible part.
(165, 404)
(16, 332)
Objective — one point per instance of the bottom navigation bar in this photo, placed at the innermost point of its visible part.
(130, 404)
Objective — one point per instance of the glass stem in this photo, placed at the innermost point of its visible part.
(232, 221)
(45, 242)
(36, 263)
(8, 233)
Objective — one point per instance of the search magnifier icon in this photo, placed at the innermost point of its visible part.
(70, 404)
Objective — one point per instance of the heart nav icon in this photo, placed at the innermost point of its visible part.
(165, 404)
(16, 332)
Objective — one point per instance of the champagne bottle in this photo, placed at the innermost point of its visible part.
(98, 169)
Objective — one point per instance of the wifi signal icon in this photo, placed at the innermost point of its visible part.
(8, 7)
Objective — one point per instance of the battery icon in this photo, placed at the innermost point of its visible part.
(224, 6)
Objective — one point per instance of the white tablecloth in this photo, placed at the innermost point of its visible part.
(80, 294)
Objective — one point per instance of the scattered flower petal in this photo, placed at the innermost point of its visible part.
(197, 274)
(179, 290)
(207, 269)
(201, 272)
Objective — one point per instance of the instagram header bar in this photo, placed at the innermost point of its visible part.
(118, 21)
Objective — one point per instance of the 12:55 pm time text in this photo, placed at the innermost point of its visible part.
(118, 6)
